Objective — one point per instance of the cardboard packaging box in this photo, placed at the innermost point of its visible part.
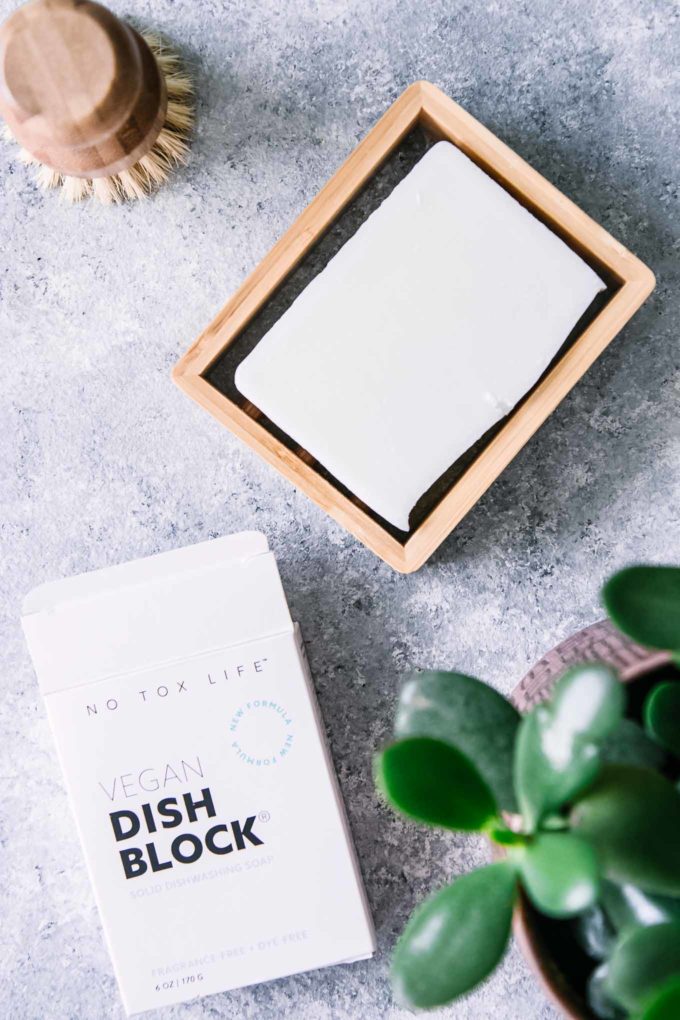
(194, 756)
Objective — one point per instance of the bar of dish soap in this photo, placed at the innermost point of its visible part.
(428, 326)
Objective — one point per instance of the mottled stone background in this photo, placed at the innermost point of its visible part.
(103, 459)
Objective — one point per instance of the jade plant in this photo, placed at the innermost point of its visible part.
(581, 802)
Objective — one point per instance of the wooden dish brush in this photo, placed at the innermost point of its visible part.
(100, 109)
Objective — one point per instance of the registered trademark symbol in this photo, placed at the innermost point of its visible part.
(264, 816)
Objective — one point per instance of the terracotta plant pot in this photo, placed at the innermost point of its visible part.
(538, 937)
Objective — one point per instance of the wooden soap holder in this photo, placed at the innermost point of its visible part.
(206, 371)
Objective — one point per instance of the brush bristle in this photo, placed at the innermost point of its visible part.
(169, 151)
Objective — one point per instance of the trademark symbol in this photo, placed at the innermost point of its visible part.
(264, 816)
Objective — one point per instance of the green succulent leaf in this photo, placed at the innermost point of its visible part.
(557, 748)
(435, 783)
(630, 745)
(469, 714)
(644, 603)
(598, 997)
(643, 961)
(506, 837)
(543, 781)
(455, 939)
(665, 1004)
(594, 932)
(627, 906)
(662, 715)
(632, 818)
(588, 701)
(560, 874)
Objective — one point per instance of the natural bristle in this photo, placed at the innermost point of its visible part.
(169, 151)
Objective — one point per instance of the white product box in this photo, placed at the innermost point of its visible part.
(192, 749)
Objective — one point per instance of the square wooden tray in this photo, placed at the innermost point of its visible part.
(630, 282)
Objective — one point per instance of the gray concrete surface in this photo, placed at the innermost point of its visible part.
(103, 459)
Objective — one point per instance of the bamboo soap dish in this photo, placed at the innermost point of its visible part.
(359, 416)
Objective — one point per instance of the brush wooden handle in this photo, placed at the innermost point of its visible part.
(79, 89)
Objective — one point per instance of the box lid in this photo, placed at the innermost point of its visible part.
(155, 610)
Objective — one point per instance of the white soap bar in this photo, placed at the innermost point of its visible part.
(427, 327)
